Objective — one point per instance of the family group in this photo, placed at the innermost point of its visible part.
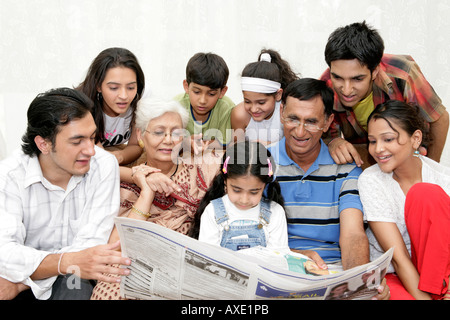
(340, 168)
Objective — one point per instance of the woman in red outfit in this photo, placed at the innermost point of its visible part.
(406, 203)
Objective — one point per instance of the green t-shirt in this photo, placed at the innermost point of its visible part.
(218, 124)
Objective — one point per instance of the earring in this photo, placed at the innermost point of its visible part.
(416, 153)
(141, 143)
(99, 96)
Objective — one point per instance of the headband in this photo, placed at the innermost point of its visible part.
(259, 85)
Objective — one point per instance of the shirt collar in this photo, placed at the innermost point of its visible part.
(281, 157)
(382, 81)
(33, 174)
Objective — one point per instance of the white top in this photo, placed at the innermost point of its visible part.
(117, 129)
(384, 200)
(275, 231)
(270, 130)
(38, 218)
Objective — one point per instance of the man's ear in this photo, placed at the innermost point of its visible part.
(375, 72)
(328, 122)
(43, 144)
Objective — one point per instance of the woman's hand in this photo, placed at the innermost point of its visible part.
(149, 178)
(139, 175)
(159, 182)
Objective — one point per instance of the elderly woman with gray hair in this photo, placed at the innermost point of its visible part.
(166, 189)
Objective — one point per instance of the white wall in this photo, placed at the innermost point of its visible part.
(50, 43)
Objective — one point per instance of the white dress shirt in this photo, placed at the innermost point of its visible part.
(38, 218)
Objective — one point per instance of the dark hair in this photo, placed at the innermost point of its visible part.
(107, 59)
(406, 116)
(51, 110)
(277, 70)
(207, 69)
(246, 158)
(308, 88)
(355, 41)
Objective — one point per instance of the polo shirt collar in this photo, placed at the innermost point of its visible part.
(324, 157)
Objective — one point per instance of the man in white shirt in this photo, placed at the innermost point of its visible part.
(58, 198)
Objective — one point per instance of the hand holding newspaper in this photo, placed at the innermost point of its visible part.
(169, 265)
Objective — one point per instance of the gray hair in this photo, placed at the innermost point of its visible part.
(149, 109)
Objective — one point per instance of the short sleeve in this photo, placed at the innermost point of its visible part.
(374, 198)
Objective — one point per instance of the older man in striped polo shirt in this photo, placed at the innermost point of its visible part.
(322, 203)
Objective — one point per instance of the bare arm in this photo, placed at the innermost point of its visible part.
(388, 236)
(130, 153)
(438, 132)
(353, 240)
(239, 117)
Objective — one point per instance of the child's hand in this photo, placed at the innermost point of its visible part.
(198, 144)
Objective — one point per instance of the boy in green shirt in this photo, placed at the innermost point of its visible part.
(204, 98)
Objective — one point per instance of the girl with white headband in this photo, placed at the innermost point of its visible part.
(262, 87)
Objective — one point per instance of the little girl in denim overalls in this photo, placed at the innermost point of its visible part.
(243, 208)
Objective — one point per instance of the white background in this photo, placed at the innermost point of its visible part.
(50, 43)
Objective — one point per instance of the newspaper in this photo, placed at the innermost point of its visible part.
(169, 265)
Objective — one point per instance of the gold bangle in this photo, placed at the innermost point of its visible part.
(139, 212)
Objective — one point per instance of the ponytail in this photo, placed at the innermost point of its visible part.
(272, 68)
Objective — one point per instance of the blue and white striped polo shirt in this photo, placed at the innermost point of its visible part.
(315, 199)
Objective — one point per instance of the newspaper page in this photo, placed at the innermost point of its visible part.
(169, 265)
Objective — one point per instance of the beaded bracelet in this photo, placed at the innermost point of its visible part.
(139, 212)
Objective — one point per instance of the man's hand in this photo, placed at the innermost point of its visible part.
(102, 262)
(344, 152)
(10, 290)
(314, 256)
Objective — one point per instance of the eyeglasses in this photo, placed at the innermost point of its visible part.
(176, 134)
(294, 123)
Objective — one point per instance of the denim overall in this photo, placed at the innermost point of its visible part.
(253, 230)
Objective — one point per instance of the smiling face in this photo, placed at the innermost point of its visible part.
(351, 81)
(303, 146)
(260, 106)
(162, 139)
(72, 151)
(392, 149)
(245, 192)
(119, 88)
